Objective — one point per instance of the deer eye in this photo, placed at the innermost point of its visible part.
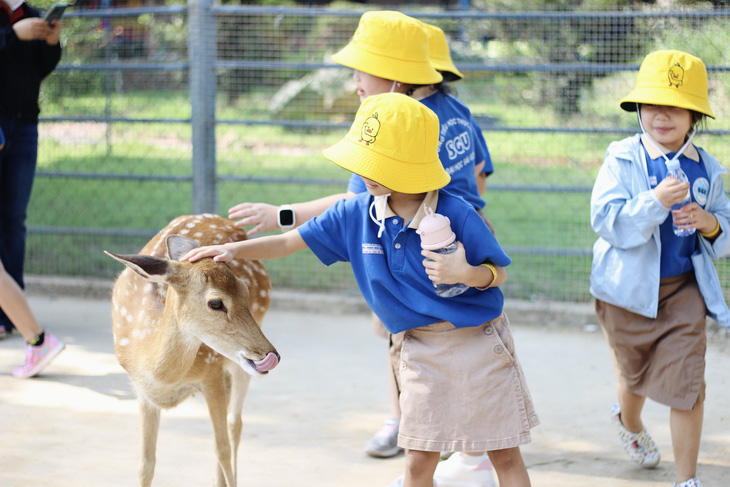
(215, 304)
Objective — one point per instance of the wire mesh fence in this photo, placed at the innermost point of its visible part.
(118, 128)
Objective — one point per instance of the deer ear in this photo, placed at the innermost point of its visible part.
(151, 268)
(178, 246)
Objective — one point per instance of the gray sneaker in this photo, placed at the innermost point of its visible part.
(385, 442)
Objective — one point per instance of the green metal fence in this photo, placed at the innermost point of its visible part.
(150, 116)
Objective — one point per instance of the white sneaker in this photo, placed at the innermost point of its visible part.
(693, 482)
(399, 482)
(462, 470)
(384, 444)
(640, 447)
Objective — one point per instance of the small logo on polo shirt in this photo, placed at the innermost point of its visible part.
(369, 248)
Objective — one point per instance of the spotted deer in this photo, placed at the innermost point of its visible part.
(182, 327)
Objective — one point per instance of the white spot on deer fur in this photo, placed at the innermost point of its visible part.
(184, 231)
(211, 359)
(198, 234)
(139, 334)
(123, 342)
(263, 293)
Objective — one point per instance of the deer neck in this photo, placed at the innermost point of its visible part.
(176, 349)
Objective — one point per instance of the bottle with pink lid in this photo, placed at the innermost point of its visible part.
(437, 236)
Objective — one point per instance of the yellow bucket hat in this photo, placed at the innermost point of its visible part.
(390, 45)
(394, 142)
(670, 78)
(438, 51)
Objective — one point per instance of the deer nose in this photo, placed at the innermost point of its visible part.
(268, 363)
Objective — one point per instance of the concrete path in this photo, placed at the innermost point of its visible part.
(306, 423)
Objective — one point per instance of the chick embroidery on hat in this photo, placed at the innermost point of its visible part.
(370, 129)
(676, 75)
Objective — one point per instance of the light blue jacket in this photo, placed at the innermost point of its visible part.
(626, 215)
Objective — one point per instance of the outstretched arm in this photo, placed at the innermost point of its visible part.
(264, 216)
(263, 248)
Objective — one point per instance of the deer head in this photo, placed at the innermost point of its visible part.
(205, 302)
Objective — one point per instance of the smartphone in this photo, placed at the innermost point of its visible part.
(55, 12)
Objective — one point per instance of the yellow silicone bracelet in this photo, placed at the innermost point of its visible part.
(713, 233)
(494, 271)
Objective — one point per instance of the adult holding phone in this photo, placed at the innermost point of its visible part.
(29, 51)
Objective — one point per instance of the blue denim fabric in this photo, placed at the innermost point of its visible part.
(17, 170)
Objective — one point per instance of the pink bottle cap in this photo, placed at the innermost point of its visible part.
(435, 231)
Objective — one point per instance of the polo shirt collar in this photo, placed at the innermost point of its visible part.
(431, 200)
(690, 152)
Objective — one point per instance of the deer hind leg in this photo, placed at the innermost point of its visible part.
(217, 396)
(149, 415)
(239, 388)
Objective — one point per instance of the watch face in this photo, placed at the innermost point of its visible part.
(286, 217)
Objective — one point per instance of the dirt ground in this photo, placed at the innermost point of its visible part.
(306, 423)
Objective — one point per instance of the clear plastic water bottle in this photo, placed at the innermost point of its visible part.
(437, 236)
(675, 171)
(448, 290)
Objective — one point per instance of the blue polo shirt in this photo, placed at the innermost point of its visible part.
(461, 147)
(676, 256)
(389, 270)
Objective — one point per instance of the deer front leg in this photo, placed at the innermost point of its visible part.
(239, 388)
(216, 397)
(149, 415)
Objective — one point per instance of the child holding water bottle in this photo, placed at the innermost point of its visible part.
(462, 386)
(655, 284)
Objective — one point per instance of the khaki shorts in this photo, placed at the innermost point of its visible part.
(461, 389)
(663, 358)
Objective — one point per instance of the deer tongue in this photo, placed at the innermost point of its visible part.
(269, 362)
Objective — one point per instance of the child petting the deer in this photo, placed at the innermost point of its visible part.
(655, 284)
(393, 146)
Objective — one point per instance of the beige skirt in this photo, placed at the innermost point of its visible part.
(461, 389)
(663, 358)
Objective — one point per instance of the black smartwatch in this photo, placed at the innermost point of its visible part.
(286, 219)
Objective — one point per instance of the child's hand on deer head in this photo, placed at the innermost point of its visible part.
(219, 253)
